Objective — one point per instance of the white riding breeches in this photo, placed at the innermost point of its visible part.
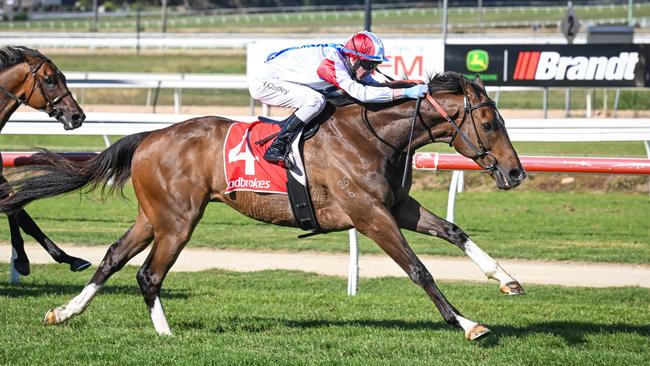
(267, 88)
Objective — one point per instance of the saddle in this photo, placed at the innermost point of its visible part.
(308, 131)
(297, 184)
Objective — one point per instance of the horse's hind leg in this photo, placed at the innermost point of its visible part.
(412, 216)
(174, 223)
(129, 245)
(151, 275)
(380, 226)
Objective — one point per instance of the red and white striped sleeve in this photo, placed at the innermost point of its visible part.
(333, 70)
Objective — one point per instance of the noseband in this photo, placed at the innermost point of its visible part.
(49, 103)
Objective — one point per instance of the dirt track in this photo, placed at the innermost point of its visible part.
(443, 268)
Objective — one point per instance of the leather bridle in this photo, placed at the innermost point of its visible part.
(481, 152)
(50, 104)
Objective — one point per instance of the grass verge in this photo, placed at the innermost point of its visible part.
(290, 318)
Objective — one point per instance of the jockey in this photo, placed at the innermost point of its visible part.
(297, 77)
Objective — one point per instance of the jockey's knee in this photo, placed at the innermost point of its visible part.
(312, 107)
(316, 101)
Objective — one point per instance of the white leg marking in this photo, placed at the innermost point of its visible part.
(78, 304)
(466, 324)
(489, 266)
(158, 318)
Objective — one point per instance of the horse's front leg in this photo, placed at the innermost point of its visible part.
(21, 220)
(411, 215)
(31, 228)
(377, 223)
(21, 263)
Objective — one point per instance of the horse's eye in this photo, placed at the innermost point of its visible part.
(49, 80)
(487, 126)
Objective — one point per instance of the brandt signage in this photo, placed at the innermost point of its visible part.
(599, 65)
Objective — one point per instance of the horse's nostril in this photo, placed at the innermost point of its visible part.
(517, 174)
(78, 117)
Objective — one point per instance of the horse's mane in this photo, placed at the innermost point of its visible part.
(449, 81)
(12, 55)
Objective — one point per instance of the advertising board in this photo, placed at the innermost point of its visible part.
(601, 65)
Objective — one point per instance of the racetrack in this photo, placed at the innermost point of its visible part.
(563, 273)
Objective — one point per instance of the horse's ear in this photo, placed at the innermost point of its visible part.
(478, 81)
(468, 88)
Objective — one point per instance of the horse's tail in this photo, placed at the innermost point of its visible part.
(54, 174)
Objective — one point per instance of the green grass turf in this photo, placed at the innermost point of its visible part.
(290, 318)
(218, 61)
(519, 224)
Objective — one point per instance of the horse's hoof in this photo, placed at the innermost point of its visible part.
(50, 317)
(78, 265)
(512, 288)
(22, 268)
(479, 331)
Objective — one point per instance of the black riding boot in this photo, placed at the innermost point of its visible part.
(279, 149)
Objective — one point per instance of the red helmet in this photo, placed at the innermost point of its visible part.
(365, 46)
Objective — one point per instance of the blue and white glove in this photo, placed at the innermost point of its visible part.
(416, 91)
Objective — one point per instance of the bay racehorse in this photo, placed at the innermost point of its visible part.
(355, 172)
(27, 77)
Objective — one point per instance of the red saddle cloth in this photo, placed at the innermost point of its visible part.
(243, 160)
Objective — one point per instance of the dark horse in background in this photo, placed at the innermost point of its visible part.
(355, 172)
(27, 77)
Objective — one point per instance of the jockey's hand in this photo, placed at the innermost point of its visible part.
(416, 91)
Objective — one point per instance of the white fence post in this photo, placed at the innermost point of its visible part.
(453, 189)
(177, 101)
(353, 268)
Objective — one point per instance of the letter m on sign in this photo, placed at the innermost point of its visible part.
(402, 69)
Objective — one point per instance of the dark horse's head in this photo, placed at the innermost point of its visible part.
(475, 127)
(28, 77)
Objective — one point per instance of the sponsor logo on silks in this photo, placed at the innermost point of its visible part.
(477, 60)
(535, 65)
(249, 183)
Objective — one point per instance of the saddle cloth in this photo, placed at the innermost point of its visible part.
(243, 160)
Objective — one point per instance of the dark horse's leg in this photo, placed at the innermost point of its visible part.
(21, 219)
(30, 228)
(129, 245)
(21, 263)
(412, 216)
(379, 225)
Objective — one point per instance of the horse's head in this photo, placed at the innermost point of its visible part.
(479, 133)
(42, 86)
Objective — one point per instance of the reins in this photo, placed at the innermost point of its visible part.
(480, 151)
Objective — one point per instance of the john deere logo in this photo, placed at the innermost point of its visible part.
(477, 60)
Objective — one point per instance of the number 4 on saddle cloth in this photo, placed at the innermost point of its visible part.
(246, 170)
